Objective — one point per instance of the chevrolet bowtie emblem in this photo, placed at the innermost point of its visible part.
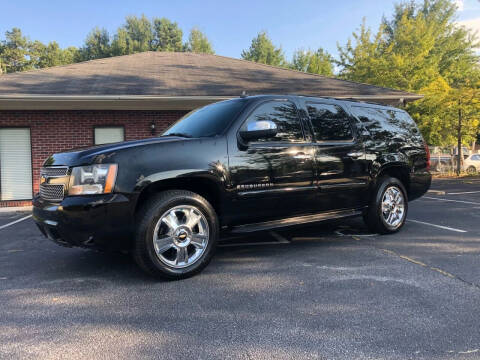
(43, 179)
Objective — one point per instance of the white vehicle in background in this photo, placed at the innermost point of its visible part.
(472, 163)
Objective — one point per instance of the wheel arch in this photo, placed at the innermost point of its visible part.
(208, 187)
(399, 171)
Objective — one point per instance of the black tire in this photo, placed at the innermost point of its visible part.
(374, 217)
(471, 169)
(147, 218)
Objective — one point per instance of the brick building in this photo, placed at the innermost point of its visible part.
(132, 97)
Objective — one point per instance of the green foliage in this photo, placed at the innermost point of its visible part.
(136, 35)
(198, 43)
(168, 36)
(422, 50)
(97, 45)
(437, 114)
(14, 51)
(18, 53)
(318, 62)
(263, 51)
(51, 54)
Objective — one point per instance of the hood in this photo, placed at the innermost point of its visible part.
(96, 154)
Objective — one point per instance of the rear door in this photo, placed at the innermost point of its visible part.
(341, 171)
(273, 177)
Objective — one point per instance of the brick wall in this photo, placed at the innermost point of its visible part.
(56, 131)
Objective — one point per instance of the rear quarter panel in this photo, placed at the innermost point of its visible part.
(391, 139)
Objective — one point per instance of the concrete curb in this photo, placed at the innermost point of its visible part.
(15, 209)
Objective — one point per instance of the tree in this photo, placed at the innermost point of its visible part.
(318, 62)
(422, 50)
(51, 54)
(120, 43)
(263, 51)
(168, 36)
(198, 43)
(97, 45)
(14, 52)
(136, 35)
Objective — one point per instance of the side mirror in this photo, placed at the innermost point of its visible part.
(262, 129)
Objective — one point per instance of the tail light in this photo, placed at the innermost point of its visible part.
(427, 153)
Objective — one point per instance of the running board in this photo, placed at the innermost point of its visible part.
(305, 219)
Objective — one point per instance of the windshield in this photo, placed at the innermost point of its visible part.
(210, 120)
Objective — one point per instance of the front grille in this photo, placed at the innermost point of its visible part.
(51, 192)
(55, 191)
(53, 171)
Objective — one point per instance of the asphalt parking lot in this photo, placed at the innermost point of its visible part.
(328, 291)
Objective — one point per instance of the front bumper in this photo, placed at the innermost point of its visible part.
(94, 221)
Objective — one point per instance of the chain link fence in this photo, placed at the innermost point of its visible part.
(444, 160)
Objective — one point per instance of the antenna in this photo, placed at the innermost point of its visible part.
(243, 94)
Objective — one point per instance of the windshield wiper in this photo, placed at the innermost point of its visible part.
(178, 134)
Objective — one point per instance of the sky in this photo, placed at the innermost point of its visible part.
(230, 25)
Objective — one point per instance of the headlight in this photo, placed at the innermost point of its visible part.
(92, 179)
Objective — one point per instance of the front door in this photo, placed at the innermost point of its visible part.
(341, 168)
(273, 177)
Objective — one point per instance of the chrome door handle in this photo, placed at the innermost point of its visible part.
(355, 155)
(301, 156)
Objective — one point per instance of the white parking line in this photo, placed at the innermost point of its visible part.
(14, 222)
(459, 201)
(465, 192)
(437, 226)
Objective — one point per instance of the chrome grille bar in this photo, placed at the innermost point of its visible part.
(53, 191)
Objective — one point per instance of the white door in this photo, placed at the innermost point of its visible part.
(15, 164)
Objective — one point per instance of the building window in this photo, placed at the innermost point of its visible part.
(109, 134)
(15, 164)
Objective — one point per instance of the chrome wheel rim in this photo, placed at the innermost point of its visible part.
(393, 206)
(181, 236)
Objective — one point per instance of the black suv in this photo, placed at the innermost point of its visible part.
(242, 165)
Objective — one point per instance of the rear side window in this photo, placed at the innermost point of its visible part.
(476, 157)
(401, 121)
(330, 122)
(284, 115)
(387, 123)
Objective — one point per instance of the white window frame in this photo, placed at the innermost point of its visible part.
(107, 127)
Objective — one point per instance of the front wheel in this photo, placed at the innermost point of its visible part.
(177, 232)
(388, 207)
(471, 169)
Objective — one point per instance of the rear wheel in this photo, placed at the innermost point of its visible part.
(177, 232)
(388, 207)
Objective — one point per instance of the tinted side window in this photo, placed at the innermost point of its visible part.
(373, 120)
(401, 122)
(476, 157)
(284, 115)
(386, 123)
(330, 122)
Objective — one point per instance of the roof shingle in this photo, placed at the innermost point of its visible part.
(180, 74)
